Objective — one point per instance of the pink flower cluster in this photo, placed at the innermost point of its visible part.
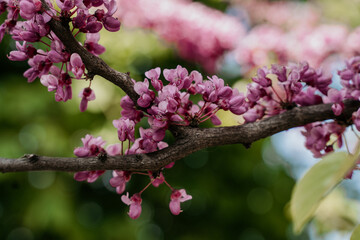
(94, 147)
(280, 88)
(200, 33)
(172, 103)
(166, 104)
(302, 43)
(56, 67)
(292, 31)
(318, 136)
(273, 91)
(350, 80)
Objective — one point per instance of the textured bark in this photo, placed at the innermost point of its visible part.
(188, 140)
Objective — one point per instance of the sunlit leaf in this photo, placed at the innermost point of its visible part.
(316, 184)
(356, 233)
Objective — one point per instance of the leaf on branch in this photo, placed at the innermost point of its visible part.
(318, 182)
(356, 233)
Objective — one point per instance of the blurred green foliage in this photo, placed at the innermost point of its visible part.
(235, 194)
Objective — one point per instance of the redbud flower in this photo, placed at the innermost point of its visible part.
(91, 44)
(77, 65)
(154, 75)
(126, 129)
(156, 182)
(92, 147)
(28, 8)
(89, 176)
(49, 81)
(119, 180)
(177, 197)
(111, 24)
(135, 204)
(87, 94)
(336, 97)
(114, 149)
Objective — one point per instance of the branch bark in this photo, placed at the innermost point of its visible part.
(188, 141)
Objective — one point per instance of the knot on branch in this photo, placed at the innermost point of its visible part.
(33, 158)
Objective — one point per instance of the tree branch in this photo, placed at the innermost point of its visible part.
(94, 64)
(188, 141)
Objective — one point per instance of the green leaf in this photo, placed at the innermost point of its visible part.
(316, 184)
(356, 233)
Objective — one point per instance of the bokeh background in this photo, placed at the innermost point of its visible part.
(237, 193)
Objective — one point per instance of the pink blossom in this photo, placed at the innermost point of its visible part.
(170, 165)
(114, 149)
(87, 94)
(177, 77)
(111, 24)
(128, 109)
(158, 180)
(119, 180)
(154, 75)
(91, 147)
(65, 5)
(89, 176)
(77, 66)
(93, 26)
(177, 197)
(126, 128)
(318, 135)
(24, 52)
(49, 81)
(336, 97)
(135, 204)
(91, 44)
(28, 8)
(203, 37)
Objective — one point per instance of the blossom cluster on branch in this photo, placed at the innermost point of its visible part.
(56, 67)
(169, 102)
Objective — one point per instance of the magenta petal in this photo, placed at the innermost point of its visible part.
(170, 165)
(111, 24)
(94, 175)
(120, 189)
(125, 199)
(81, 176)
(174, 206)
(135, 211)
(215, 120)
(17, 56)
(116, 181)
(83, 104)
(114, 149)
(81, 152)
(93, 27)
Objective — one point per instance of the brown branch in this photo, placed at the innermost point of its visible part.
(188, 141)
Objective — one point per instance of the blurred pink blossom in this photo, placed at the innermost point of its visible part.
(200, 33)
